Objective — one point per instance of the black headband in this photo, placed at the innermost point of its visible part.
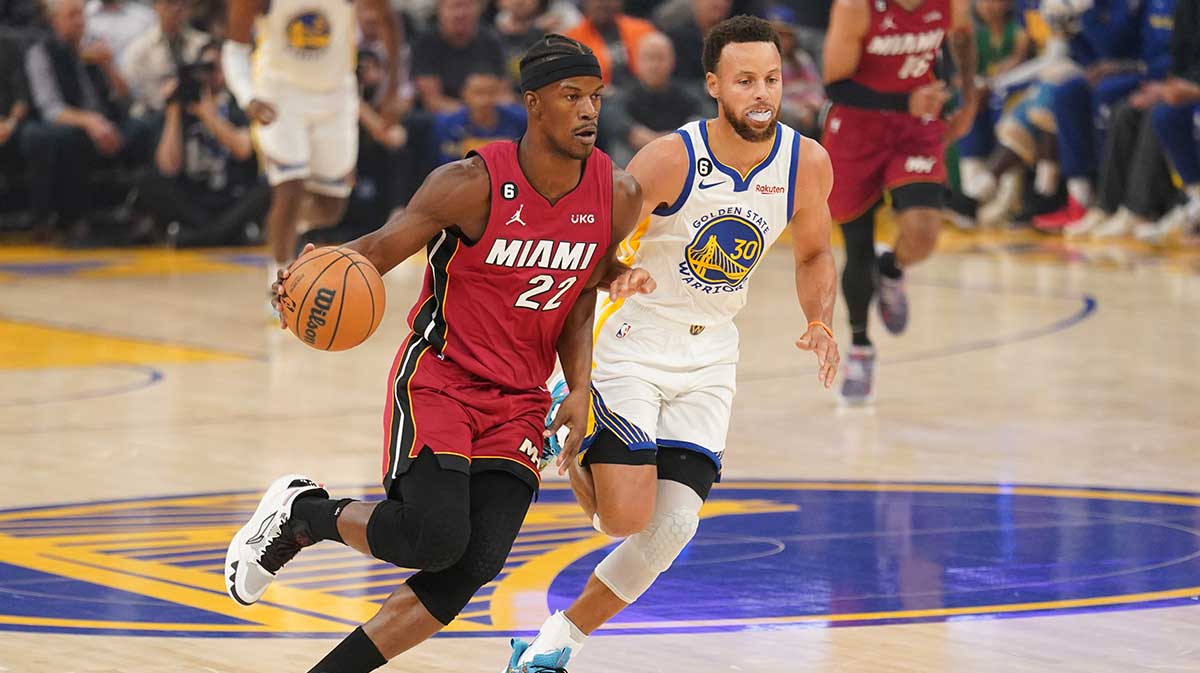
(539, 75)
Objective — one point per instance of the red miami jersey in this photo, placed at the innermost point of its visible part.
(496, 307)
(901, 47)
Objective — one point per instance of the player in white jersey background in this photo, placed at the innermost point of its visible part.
(302, 96)
(717, 194)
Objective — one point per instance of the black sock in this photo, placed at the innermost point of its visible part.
(321, 516)
(355, 654)
(888, 266)
(858, 278)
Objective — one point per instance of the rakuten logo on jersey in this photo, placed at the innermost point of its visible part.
(919, 164)
(768, 189)
(906, 43)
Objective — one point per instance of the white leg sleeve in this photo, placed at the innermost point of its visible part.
(633, 566)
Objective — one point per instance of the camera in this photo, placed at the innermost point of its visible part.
(192, 77)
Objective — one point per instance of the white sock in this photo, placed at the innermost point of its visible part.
(558, 632)
(1080, 189)
(977, 181)
(1045, 181)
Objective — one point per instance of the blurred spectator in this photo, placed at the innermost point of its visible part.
(803, 90)
(205, 188)
(1001, 45)
(1131, 44)
(443, 58)
(115, 23)
(1181, 99)
(14, 103)
(1134, 181)
(519, 23)
(1025, 133)
(379, 138)
(393, 96)
(153, 57)
(652, 106)
(83, 125)
(674, 13)
(20, 13)
(484, 119)
(688, 36)
(209, 16)
(614, 38)
(810, 19)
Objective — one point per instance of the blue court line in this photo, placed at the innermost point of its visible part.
(151, 376)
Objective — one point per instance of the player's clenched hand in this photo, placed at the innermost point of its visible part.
(573, 413)
(926, 101)
(631, 282)
(261, 112)
(278, 294)
(817, 340)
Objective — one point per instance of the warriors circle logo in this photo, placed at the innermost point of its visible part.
(309, 34)
(724, 251)
(768, 554)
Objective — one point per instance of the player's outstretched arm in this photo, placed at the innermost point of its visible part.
(816, 272)
(575, 343)
(456, 194)
(235, 58)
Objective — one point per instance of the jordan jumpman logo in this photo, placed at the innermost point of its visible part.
(517, 216)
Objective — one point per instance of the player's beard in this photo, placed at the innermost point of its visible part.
(745, 131)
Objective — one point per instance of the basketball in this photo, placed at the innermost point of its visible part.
(334, 300)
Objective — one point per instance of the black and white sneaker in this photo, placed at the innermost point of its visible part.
(268, 540)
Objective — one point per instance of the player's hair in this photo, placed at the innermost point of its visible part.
(740, 28)
(552, 47)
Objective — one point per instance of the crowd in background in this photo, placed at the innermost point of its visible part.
(116, 127)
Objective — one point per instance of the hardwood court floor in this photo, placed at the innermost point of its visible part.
(1021, 497)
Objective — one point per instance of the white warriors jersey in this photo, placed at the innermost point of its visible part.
(308, 44)
(703, 248)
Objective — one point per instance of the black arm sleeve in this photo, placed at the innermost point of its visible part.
(848, 92)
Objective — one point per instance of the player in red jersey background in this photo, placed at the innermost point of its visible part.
(885, 132)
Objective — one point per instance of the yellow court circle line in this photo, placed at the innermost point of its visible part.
(511, 602)
(1098, 601)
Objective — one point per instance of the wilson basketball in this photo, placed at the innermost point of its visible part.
(334, 300)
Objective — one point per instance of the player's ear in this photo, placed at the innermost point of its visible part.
(532, 103)
(710, 83)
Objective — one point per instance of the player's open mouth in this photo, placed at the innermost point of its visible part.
(586, 134)
(759, 116)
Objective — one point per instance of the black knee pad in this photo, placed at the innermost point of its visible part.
(411, 536)
(445, 593)
(499, 503)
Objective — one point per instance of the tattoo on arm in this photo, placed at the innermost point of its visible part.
(962, 51)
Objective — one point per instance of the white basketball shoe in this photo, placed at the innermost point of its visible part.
(268, 540)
